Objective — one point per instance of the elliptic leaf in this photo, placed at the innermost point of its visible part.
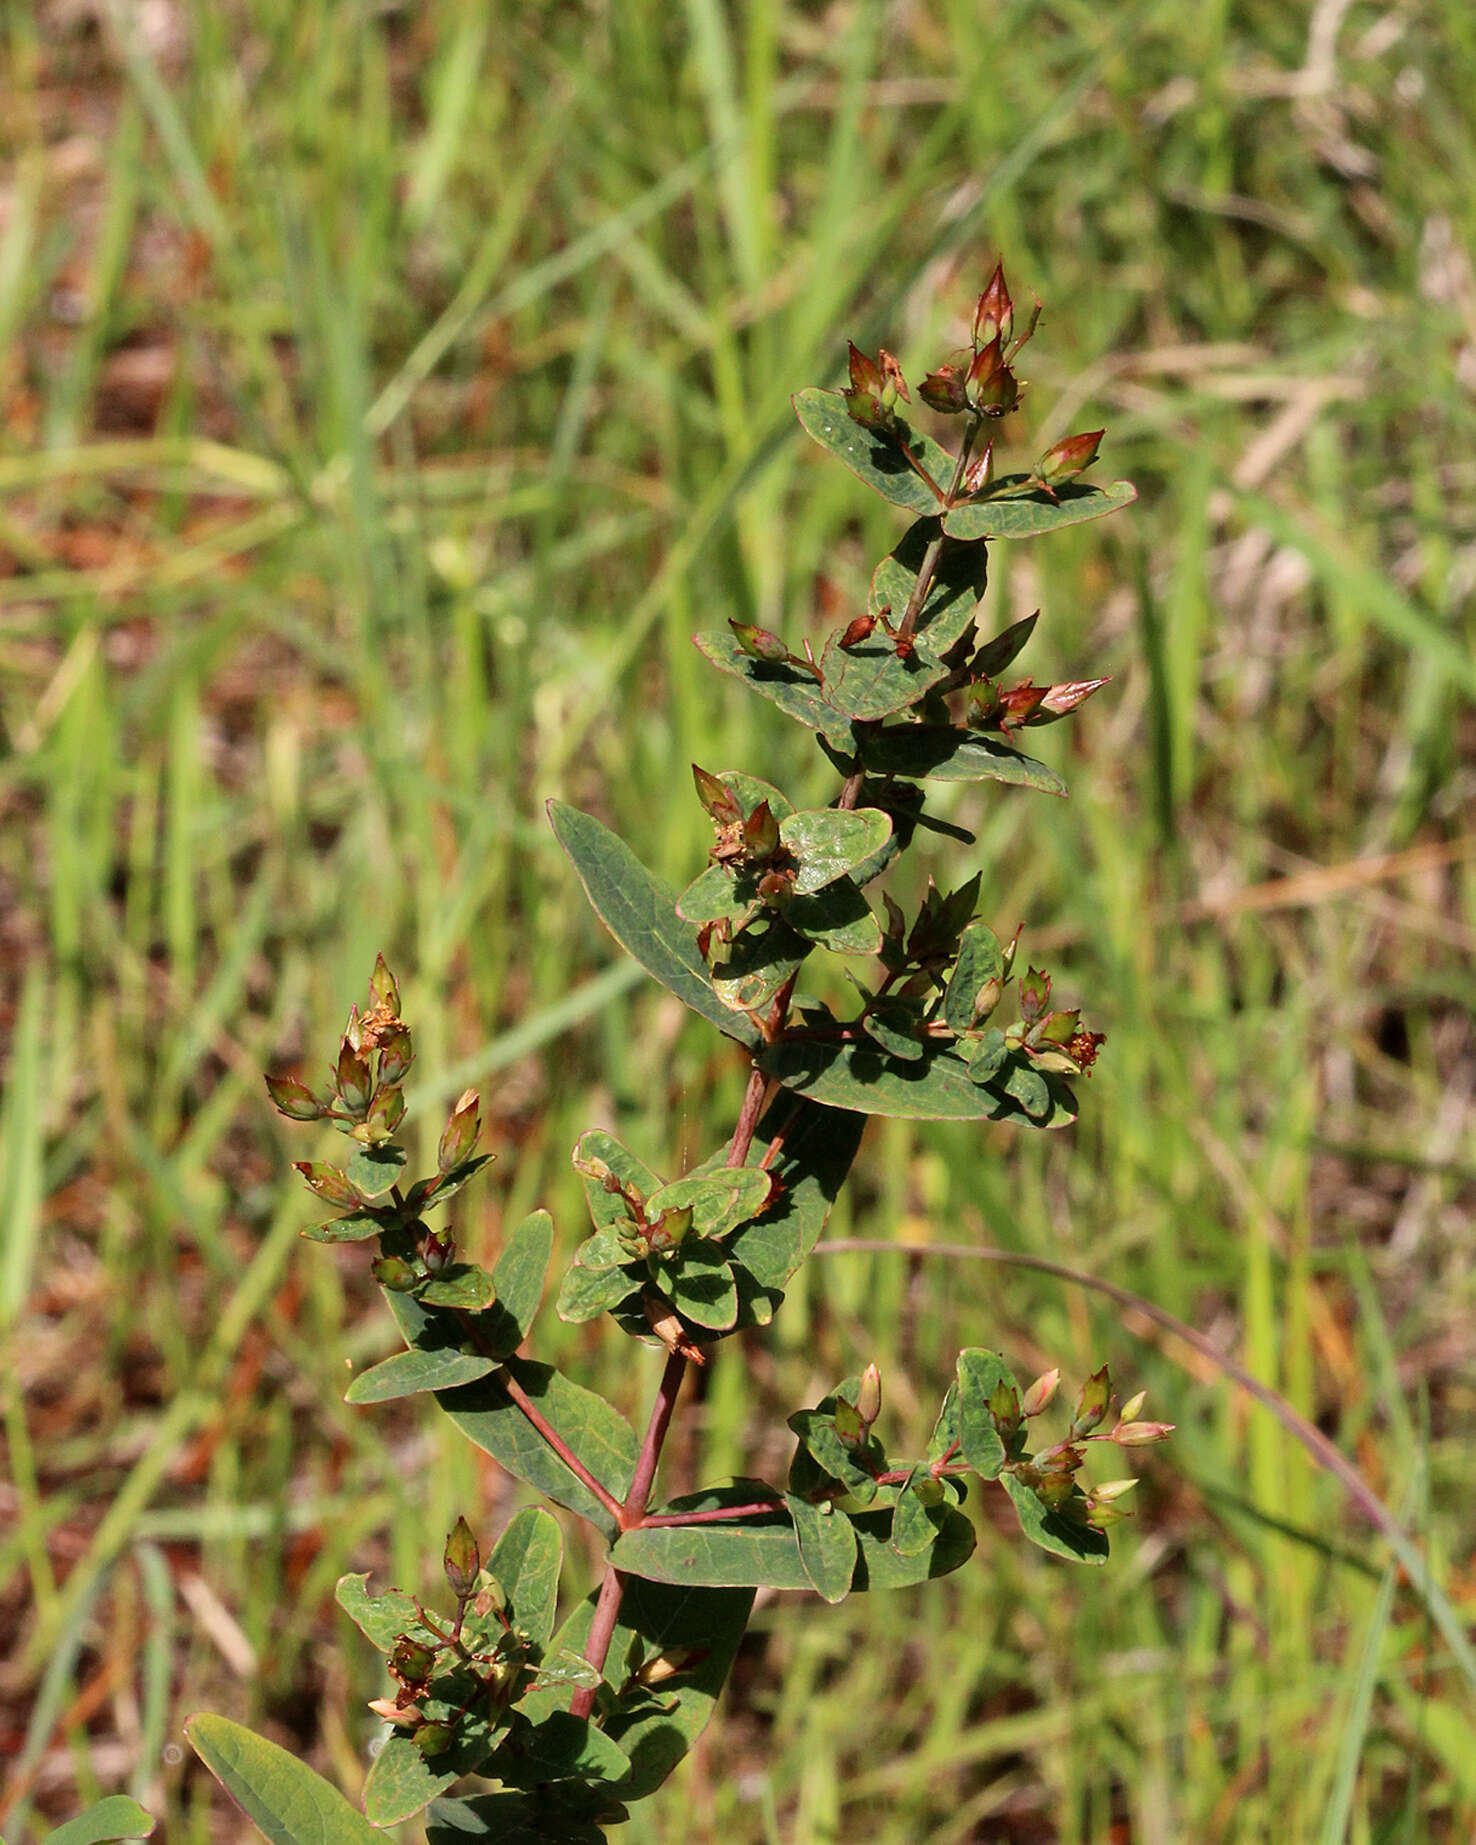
(526, 1561)
(639, 910)
(351, 1229)
(374, 1171)
(749, 791)
(987, 1056)
(520, 1819)
(821, 1447)
(402, 1783)
(463, 1285)
(701, 1284)
(869, 681)
(838, 918)
(759, 962)
(607, 1209)
(875, 458)
(117, 1817)
(518, 1282)
(895, 1025)
(979, 1374)
(715, 893)
(931, 752)
(1053, 1531)
(406, 1374)
(277, 1792)
(828, 842)
(980, 960)
(914, 1525)
(1027, 515)
(818, 1148)
(426, 1194)
(827, 1546)
(959, 578)
(753, 1553)
(858, 1075)
(586, 1293)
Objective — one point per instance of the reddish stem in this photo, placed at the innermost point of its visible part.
(748, 1118)
(566, 1454)
(601, 1631)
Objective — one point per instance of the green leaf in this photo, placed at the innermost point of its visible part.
(406, 1374)
(1053, 1531)
(117, 1817)
(586, 1293)
(932, 752)
(944, 1439)
(829, 842)
(639, 910)
(718, 1200)
(526, 1561)
(716, 893)
(822, 1448)
(753, 1553)
(895, 1025)
(827, 1547)
(559, 1748)
(749, 791)
(518, 1281)
(401, 1782)
(1027, 515)
(874, 458)
(838, 918)
(594, 1430)
(795, 693)
(374, 1171)
(701, 1284)
(868, 681)
(914, 1525)
(858, 1075)
(880, 1565)
(278, 1793)
(462, 1285)
(979, 1372)
(380, 1618)
(759, 962)
(351, 1229)
(987, 1055)
(980, 959)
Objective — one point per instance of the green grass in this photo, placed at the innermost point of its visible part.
(389, 393)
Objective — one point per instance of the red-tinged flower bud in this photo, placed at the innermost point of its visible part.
(671, 1664)
(1004, 1407)
(866, 409)
(666, 1323)
(994, 315)
(866, 374)
(351, 1031)
(437, 1253)
(776, 888)
(1091, 1405)
(411, 1661)
(761, 832)
(1057, 700)
(980, 471)
(394, 1273)
(1133, 1408)
(460, 1135)
(704, 940)
(384, 989)
(1035, 995)
(351, 1076)
(395, 1056)
(435, 1738)
(328, 1182)
(1060, 1027)
(861, 629)
(892, 375)
(943, 390)
(846, 1419)
(294, 1099)
(759, 643)
(985, 1000)
(461, 1559)
(1009, 953)
(869, 1396)
(1019, 703)
(1041, 1393)
(717, 797)
(386, 1112)
(1054, 1489)
(1067, 458)
(1141, 1434)
(1110, 1490)
(406, 1715)
(670, 1229)
(1053, 1063)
